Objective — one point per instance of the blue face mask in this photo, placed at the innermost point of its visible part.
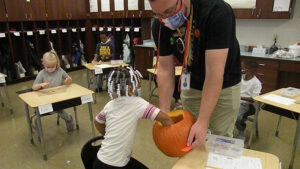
(139, 92)
(174, 21)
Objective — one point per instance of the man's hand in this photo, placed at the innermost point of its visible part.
(68, 80)
(197, 134)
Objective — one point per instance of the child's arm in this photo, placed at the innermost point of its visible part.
(65, 76)
(249, 99)
(100, 127)
(68, 80)
(41, 85)
(164, 119)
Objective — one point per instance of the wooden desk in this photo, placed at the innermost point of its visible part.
(152, 71)
(197, 159)
(92, 67)
(2, 81)
(54, 99)
(293, 108)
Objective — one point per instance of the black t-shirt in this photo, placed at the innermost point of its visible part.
(216, 22)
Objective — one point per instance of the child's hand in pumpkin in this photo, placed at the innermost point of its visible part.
(68, 80)
(164, 119)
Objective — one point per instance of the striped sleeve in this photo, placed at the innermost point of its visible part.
(100, 117)
(150, 112)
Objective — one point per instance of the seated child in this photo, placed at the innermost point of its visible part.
(250, 88)
(51, 76)
(119, 119)
(104, 53)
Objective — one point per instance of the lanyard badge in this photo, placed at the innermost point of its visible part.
(185, 80)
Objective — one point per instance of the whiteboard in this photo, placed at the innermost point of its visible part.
(242, 4)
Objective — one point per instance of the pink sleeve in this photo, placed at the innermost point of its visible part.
(150, 112)
(100, 117)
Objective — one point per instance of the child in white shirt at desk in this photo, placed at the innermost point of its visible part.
(119, 119)
(51, 76)
(250, 88)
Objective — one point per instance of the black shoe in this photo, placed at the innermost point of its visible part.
(96, 90)
(100, 89)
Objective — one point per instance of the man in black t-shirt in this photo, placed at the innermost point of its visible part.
(213, 62)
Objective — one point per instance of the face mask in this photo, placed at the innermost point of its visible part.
(139, 92)
(174, 21)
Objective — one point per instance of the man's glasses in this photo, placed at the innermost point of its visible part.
(167, 12)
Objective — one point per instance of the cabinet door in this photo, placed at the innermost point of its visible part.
(109, 14)
(2, 11)
(95, 15)
(143, 59)
(36, 10)
(133, 13)
(118, 14)
(16, 10)
(77, 9)
(265, 10)
(56, 10)
(146, 12)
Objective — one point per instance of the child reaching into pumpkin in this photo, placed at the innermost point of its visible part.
(52, 76)
(119, 118)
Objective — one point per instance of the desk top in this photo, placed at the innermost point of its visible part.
(54, 95)
(177, 70)
(93, 66)
(197, 159)
(295, 107)
(3, 75)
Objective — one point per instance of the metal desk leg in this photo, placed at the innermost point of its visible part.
(295, 144)
(149, 87)
(40, 130)
(76, 118)
(1, 101)
(87, 78)
(29, 122)
(95, 86)
(8, 100)
(91, 118)
(254, 126)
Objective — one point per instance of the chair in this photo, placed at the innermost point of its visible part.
(256, 108)
(89, 152)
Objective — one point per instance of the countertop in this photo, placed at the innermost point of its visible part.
(266, 56)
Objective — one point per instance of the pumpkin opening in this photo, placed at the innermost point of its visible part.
(175, 116)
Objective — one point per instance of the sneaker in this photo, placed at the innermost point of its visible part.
(70, 124)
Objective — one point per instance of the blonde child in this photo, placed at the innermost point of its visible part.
(119, 119)
(51, 76)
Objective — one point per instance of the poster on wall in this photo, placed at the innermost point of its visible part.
(242, 4)
(281, 5)
(147, 5)
(119, 5)
(133, 5)
(105, 5)
(93, 6)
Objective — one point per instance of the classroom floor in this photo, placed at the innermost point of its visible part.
(64, 148)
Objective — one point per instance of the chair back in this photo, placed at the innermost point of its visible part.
(89, 152)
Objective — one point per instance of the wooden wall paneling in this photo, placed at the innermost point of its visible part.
(54, 37)
(146, 28)
(118, 38)
(245, 13)
(2, 11)
(145, 13)
(143, 60)
(36, 10)
(16, 10)
(117, 14)
(57, 10)
(24, 57)
(78, 9)
(94, 15)
(133, 13)
(266, 10)
(106, 15)
(89, 43)
(289, 79)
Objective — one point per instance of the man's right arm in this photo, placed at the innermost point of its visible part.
(165, 80)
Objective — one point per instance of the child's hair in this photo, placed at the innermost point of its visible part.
(104, 33)
(51, 56)
(251, 64)
(120, 79)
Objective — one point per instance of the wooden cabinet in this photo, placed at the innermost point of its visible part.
(143, 59)
(2, 11)
(133, 13)
(77, 9)
(22, 10)
(66, 9)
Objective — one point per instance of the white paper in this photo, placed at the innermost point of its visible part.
(281, 5)
(82, 29)
(119, 5)
(118, 29)
(29, 33)
(53, 31)
(74, 30)
(147, 5)
(2, 35)
(136, 29)
(86, 99)
(109, 29)
(103, 66)
(133, 5)
(2, 79)
(93, 6)
(226, 162)
(42, 32)
(279, 99)
(45, 109)
(100, 28)
(98, 71)
(242, 4)
(17, 33)
(27, 0)
(127, 29)
(64, 30)
(105, 5)
(93, 29)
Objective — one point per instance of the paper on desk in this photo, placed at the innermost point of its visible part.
(279, 99)
(225, 162)
(103, 66)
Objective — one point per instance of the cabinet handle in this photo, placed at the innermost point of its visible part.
(253, 12)
(260, 74)
(262, 64)
(140, 15)
(259, 13)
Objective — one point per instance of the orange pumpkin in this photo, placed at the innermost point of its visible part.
(171, 139)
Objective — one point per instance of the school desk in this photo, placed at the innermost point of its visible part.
(197, 159)
(54, 99)
(96, 70)
(2, 81)
(153, 72)
(295, 107)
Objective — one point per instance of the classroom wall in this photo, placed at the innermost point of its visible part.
(261, 31)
